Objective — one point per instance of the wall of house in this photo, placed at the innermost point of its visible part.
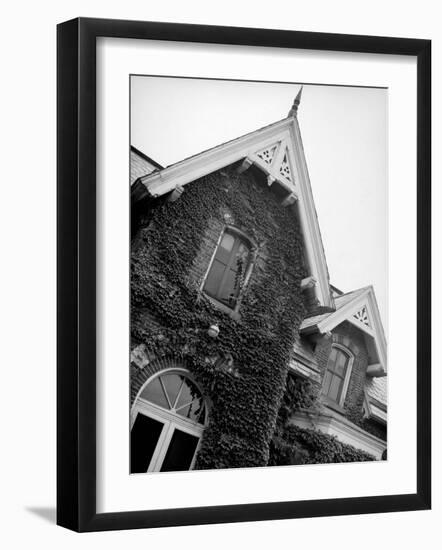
(292, 444)
(350, 337)
(171, 316)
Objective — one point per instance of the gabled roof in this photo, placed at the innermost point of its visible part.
(154, 163)
(277, 151)
(340, 301)
(376, 398)
(376, 390)
(140, 165)
(360, 308)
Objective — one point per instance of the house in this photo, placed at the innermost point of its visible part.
(242, 352)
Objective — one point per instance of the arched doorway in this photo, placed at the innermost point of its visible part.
(167, 423)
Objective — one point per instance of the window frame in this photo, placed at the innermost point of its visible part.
(170, 420)
(238, 234)
(346, 380)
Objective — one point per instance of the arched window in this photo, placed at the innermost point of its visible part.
(337, 375)
(229, 268)
(168, 420)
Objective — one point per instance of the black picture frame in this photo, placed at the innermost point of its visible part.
(76, 273)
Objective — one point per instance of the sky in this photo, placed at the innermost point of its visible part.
(344, 133)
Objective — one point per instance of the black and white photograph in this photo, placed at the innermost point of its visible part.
(218, 262)
(258, 274)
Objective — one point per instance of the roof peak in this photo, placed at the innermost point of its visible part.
(294, 109)
(355, 291)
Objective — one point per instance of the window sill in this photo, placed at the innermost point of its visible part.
(334, 406)
(234, 313)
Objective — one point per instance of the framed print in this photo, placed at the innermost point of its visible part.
(243, 274)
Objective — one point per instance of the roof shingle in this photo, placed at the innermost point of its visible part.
(376, 389)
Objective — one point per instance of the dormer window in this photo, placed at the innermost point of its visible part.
(337, 375)
(229, 269)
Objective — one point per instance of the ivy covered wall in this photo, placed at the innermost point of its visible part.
(294, 445)
(170, 315)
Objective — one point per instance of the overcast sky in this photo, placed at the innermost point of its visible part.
(344, 132)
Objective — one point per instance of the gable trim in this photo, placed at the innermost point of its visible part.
(285, 132)
(345, 313)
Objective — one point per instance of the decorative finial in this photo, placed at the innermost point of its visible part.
(294, 110)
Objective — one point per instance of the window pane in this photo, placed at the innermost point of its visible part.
(227, 242)
(188, 394)
(190, 402)
(214, 278)
(229, 290)
(332, 358)
(222, 282)
(341, 363)
(143, 440)
(180, 452)
(224, 250)
(154, 392)
(335, 386)
(191, 410)
(172, 384)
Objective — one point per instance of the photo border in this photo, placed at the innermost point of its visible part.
(77, 287)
